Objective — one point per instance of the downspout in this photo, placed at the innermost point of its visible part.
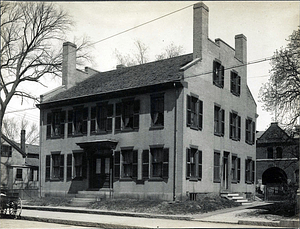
(40, 153)
(175, 143)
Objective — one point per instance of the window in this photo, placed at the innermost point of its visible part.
(194, 163)
(235, 169)
(130, 163)
(117, 165)
(217, 167)
(235, 83)
(127, 115)
(101, 118)
(78, 164)
(219, 125)
(56, 124)
(235, 126)
(31, 174)
(47, 168)
(218, 74)
(159, 162)
(77, 121)
(250, 131)
(194, 112)
(145, 164)
(19, 174)
(57, 166)
(278, 152)
(6, 151)
(157, 110)
(249, 171)
(270, 152)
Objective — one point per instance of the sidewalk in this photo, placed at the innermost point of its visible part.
(112, 219)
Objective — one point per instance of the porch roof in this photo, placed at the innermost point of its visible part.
(99, 144)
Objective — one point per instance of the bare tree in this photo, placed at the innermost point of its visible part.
(29, 34)
(281, 94)
(139, 55)
(12, 127)
(170, 51)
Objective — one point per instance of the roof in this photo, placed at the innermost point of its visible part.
(14, 145)
(148, 74)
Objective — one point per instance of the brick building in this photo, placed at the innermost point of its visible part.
(167, 129)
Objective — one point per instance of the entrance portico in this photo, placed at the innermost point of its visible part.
(99, 163)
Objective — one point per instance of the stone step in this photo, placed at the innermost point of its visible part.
(242, 201)
(246, 203)
(237, 197)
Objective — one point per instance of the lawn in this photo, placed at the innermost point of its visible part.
(204, 203)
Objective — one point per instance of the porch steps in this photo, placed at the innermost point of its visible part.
(84, 198)
(237, 198)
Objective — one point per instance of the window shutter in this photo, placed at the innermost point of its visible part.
(238, 169)
(232, 82)
(62, 123)
(136, 114)
(118, 116)
(84, 166)
(231, 125)
(188, 162)
(222, 76)
(117, 165)
(253, 172)
(49, 122)
(239, 85)
(239, 127)
(222, 122)
(188, 112)
(246, 171)
(85, 120)
(165, 172)
(70, 122)
(253, 132)
(214, 71)
(110, 111)
(145, 160)
(199, 164)
(200, 114)
(61, 169)
(135, 164)
(47, 167)
(69, 167)
(93, 119)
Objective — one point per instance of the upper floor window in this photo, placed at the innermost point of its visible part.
(219, 124)
(56, 124)
(235, 83)
(157, 110)
(127, 115)
(250, 131)
(194, 112)
(101, 118)
(77, 121)
(6, 151)
(193, 163)
(278, 152)
(218, 74)
(235, 126)
(270, 153)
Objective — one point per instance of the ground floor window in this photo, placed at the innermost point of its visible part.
(249, 171)
(57, 166)
(159, 163)
(217, 167)
(236, 169)
(130, 163)
(19, 174)
(194, 164)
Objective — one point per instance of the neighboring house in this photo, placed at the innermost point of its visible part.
(19, 164)
(277, 156)
(167, 129)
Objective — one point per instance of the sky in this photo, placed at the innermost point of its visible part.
(266, 24)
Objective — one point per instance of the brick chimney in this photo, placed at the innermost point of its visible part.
(23, 140)
(241, 47)
(200, 29)
(69, 64)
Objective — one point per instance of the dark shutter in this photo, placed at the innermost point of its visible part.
(222, 122)
(165, 172)
(93, 119)
(62, 123)
(239, 127)
(188, 165)
(69, 166)
(222, 75)
(253, 133)
(70, 122)
(61, 168)
(200, 114)
(117, 165)
(231, 125)
(134, 164)
(145, 160)
(85, 120)
(118, 116)
(246, 172)
(239, 85)
(238, 169)
(200, 164)
(110, 110)
(188, 111)
(232, 87)
(214, 72)
(136, 114)
(47, 167)
(84, 166)
(253, 172)
(49, 122)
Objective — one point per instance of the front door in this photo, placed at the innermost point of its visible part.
(100, 169)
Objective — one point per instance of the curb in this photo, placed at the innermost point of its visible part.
(76, 223)
(260, 223)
